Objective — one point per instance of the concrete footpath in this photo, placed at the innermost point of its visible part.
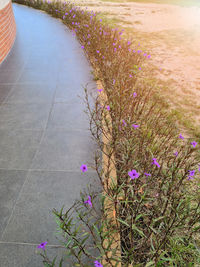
(44, 136)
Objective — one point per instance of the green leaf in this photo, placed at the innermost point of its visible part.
(154, 230)
(138, 217)
(150, 263)
(134, 227)
(54, 260)
(96, 229)
(123, 222)
(61, 262)
(160, 218)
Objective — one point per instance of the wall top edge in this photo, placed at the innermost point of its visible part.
(3, 3)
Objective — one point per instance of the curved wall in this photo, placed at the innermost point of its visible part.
(7, 28)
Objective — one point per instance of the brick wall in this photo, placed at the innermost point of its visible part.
(7, 28)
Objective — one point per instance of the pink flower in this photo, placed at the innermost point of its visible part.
(84, 168)
(88, 201)
(124, 123)
(108, 107)
(42, 245)
(97, 264)
(135, 126)
(133, 174)
(180, 136)
(134, 94)
(193, 143)
(155, 162)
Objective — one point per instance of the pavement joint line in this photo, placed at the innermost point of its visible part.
(30, 244)
(43, 170)
(16, 82)
(8, 221)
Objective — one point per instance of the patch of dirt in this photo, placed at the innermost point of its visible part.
(172, 36)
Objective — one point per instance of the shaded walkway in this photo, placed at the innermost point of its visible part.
(43, 134)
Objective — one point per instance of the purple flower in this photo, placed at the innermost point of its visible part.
(84, 168)
(176, 153)
(149, 56)
(97, 51)
(88, 201)
(97, 264)
(130, 76)
(124, 123)
(129, 42)
(108, 107)
(134, 94)
(155, 162)
(42, 245)
(193, 143)
(180, 136)
(133, 174)
(82, 46)
(100, 90)
(129, 50)
(147, 174)
(100, 20)
(139, 51)
(135, 126)
(145, 54)
(113, 81)
(66, 14)
(139, 68)
(191, 174)
(133, 51)
(103, 57)
(113, 43)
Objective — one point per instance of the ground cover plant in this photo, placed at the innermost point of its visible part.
(157, 195)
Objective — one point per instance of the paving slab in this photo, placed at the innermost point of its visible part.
(44, 135)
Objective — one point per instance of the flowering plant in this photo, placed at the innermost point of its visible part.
(156, 204)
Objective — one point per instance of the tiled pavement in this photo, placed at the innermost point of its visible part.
(44, 136)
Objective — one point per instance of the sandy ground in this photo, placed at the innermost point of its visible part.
(172, 36)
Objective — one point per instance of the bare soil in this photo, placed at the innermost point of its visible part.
(171, 34)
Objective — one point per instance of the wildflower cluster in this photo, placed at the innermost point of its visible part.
(156, 197)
